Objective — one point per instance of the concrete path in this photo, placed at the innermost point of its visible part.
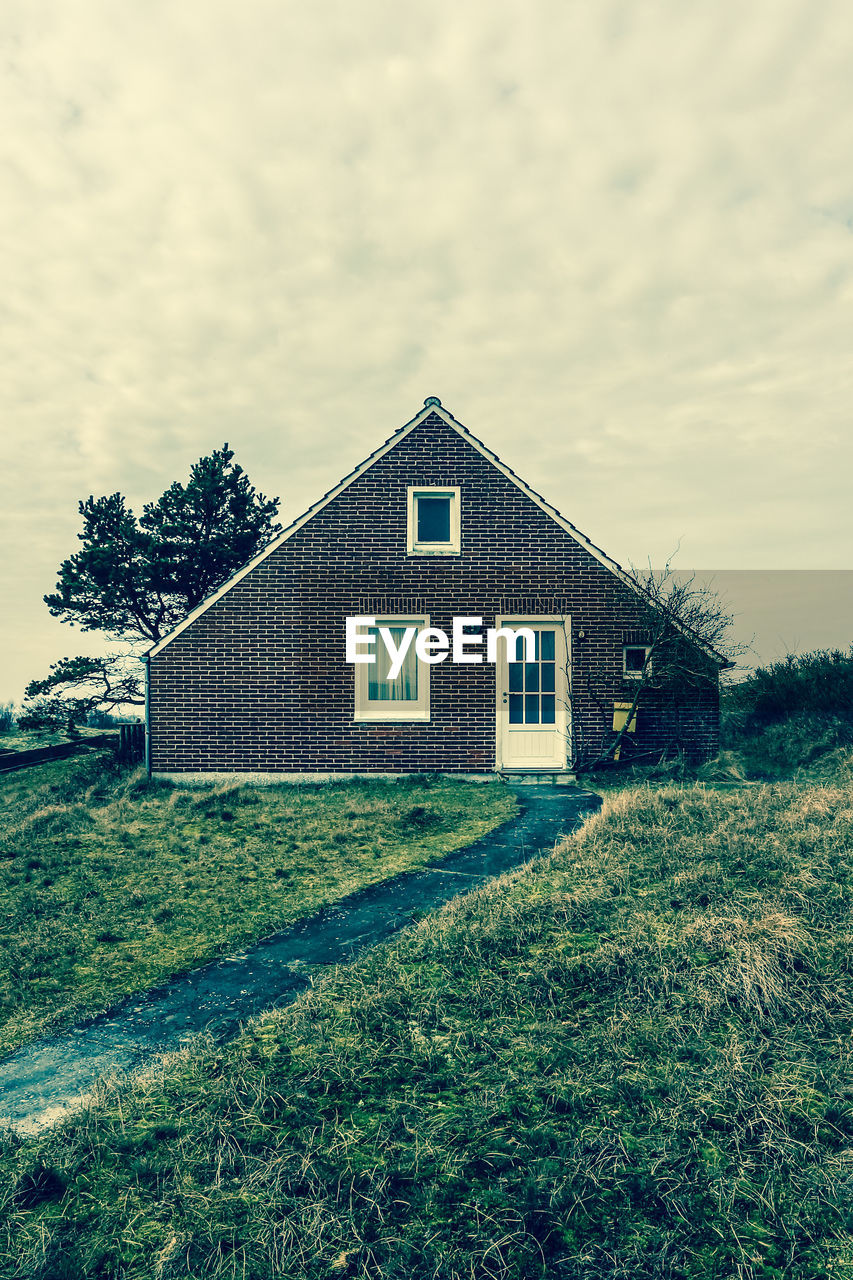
(44, 1080)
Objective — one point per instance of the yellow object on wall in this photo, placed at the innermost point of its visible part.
(620, 716)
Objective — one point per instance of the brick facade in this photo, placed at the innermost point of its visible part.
(258, 682)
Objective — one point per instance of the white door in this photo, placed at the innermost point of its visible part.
(532, 702)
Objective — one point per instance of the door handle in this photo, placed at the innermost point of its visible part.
(505, 696)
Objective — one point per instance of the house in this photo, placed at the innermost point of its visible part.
(432, 533)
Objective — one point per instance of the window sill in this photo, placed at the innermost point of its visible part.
(433, 551)
(420, 717)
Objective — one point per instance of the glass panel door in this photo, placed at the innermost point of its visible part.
(533, 685)
(533, 709)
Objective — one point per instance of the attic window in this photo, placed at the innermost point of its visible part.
(433, 521)
(634, 660)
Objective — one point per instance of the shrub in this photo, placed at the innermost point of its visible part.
(791, 713)
(818, 684)
(7, 716)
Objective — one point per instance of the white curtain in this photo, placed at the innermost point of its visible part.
(405, 687)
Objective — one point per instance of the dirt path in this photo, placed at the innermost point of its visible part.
(42, 1081)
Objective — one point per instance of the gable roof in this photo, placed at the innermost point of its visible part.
(432, 407)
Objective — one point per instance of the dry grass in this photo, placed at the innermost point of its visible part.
(630, 1059)
(109, 885)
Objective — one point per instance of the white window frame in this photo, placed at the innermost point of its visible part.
(647, 666)
(366, 712)
(415, 548)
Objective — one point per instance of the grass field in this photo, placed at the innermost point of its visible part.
(629, 1059)
(108, 884)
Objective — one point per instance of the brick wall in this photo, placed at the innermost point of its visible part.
(259, 681)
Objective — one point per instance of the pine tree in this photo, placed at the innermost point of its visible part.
(134, 580)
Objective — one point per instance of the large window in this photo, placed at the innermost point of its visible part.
(403, 696)
(433, 525)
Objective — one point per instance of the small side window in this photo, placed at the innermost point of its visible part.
(635, 662)
(433, 525)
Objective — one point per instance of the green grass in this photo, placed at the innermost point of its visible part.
(629, 1059)
(109, 884)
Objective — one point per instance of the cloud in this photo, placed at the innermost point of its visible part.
(615, 241)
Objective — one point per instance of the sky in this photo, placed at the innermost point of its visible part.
(614, 239)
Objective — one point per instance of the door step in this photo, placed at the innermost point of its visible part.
(553, 778)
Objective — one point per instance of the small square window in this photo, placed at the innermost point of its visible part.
(635, 662)
(433, 522)
(433, 519)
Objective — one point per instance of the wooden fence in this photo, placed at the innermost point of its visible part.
(131, 743)
(128, 743)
